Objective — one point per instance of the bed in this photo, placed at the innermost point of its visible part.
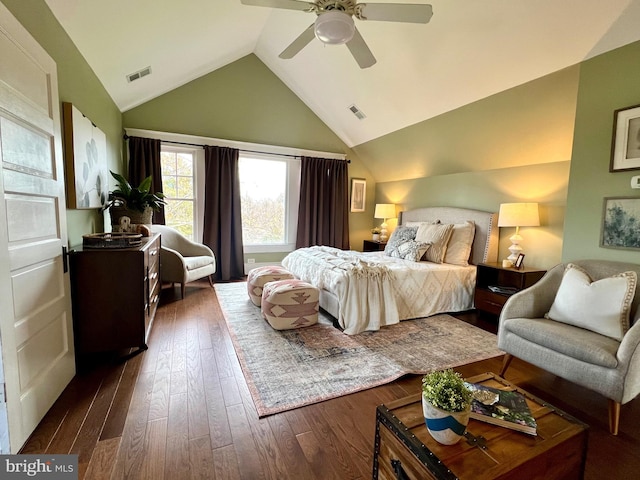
(366, 291)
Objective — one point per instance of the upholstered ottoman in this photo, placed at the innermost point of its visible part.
(288, 304)
(261, 275)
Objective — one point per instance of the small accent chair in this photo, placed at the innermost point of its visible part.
(598, 362)
(183, 261)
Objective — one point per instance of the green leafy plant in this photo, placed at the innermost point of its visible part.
(135, 198)
(376, 230)
(445, 389)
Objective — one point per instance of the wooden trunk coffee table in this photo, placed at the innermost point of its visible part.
(404, 449)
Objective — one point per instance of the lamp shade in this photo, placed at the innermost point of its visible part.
(519, 215)
(385, 210)
(334, 27)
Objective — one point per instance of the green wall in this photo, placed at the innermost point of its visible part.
(514, 146)
(607, 82)
(245, 101)
(78, 85)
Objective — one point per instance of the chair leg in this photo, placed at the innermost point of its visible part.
(211, 280)
(506, 361)
(182, 287)
(614, 416)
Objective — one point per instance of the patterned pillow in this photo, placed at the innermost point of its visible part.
(399, 236)
(412, 250)
(438, 236)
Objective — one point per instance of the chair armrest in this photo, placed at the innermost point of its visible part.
(172, 265)
(629, 362)
(535, 301)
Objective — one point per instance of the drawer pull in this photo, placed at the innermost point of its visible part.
(153, 252)
(399, 471)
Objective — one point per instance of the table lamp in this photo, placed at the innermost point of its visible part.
(518, 215)
(384, 211)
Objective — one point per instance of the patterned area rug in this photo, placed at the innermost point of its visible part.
(292, 368)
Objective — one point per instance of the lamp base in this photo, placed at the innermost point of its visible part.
(383, 231)
(515, 248)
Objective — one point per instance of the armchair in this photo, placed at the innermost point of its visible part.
(183, 261)
(598, 362)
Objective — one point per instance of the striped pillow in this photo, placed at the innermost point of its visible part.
(438, 236)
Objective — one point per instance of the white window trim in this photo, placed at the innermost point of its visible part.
(196, 152)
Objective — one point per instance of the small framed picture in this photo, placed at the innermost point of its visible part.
(358, 194)
(625, 147)
(519, 261)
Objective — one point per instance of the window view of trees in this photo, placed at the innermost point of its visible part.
(263, 186)
(178, 188)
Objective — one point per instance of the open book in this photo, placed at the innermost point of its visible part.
(506, 408)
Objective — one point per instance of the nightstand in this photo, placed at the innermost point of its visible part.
(509, 279)
(371, 246)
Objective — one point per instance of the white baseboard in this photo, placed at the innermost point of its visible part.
(250, 266)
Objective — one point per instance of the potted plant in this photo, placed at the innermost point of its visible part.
(375, 234)
(136, 203)
(446, 404)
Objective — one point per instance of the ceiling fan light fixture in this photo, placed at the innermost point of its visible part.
(334, 27)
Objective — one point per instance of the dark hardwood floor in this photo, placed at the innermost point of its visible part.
(182, 410)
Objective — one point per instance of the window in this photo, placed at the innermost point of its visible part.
(178, 187)
(269, 189)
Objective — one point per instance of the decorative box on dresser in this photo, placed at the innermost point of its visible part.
(115, 295)
(510, 280)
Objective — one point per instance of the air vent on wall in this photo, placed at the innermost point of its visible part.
(357, 112)
(139, 74)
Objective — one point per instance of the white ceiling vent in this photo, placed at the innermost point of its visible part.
(357, 112)
(139, 74)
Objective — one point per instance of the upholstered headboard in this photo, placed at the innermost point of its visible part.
(485, 242)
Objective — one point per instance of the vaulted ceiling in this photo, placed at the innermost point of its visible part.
(468, 51)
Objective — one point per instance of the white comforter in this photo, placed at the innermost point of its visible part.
(374, 290)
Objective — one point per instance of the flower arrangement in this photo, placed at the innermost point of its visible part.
(376, 230)
(446, 390)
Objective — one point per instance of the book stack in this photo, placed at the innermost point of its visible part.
(505, 408)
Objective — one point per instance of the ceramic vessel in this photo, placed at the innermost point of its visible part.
(445, 427)
(375, 237)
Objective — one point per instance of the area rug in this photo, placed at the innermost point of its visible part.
(291, 368)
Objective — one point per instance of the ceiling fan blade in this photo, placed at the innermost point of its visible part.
(298, 44)
(396, 12)
(360, 51)
(288, 4)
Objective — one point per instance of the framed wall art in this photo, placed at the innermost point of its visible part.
(621, 223)
(625, 146)
(85, 157)
(358, 194)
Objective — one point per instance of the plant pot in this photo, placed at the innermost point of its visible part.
(375, 237)
(445, 427)
(135, 217)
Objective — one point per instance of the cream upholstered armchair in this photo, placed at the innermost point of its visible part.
(588, 343)
(183, 261)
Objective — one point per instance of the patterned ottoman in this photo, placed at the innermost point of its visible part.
(288, 304)
(261, 275)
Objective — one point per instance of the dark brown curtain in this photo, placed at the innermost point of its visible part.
(222, 218)
(144, 160)
(323, 215)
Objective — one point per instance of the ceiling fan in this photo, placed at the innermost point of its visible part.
(335, 26)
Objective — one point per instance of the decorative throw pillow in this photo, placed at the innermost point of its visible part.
(460, 243)
(438, 236)
(400, 235)
(412, 250)
(602, 306)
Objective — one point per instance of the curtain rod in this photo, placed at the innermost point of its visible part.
(126, 137)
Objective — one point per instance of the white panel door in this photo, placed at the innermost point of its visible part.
(36, 336)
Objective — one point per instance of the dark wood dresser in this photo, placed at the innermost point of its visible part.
(115, 295)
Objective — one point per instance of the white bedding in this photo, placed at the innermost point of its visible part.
(374, 290)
